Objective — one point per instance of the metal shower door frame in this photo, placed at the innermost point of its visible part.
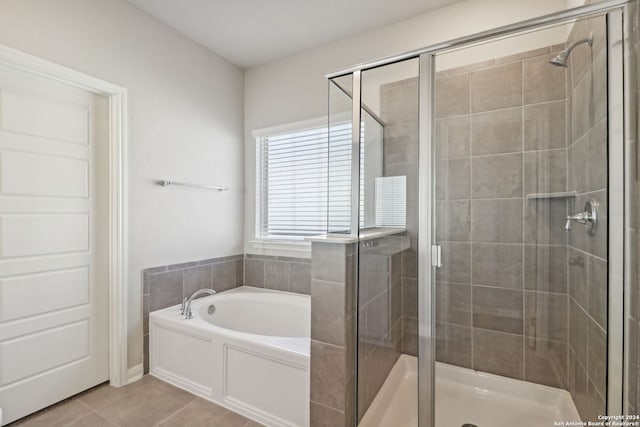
(426, 239)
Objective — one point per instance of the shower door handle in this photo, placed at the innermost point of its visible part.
(436, 256)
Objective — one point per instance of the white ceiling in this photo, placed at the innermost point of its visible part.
(252, 32)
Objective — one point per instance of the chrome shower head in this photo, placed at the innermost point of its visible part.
(561, 59)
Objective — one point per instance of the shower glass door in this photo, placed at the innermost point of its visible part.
(387, 309)
(521, 204)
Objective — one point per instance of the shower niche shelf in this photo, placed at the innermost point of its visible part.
(557, 195)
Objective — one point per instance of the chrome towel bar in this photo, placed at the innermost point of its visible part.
(165, 183)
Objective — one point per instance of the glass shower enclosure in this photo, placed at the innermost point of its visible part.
(479, 180)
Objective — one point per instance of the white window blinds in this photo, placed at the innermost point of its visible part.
(291, 184)
(292, 181)
(391, 201)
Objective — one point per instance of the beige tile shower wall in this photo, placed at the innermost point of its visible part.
(399, 111)
(587, 262)
(501, 295)
(379, 318)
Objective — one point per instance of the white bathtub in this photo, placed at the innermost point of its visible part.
(251, 355)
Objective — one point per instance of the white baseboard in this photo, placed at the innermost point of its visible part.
(135, 373)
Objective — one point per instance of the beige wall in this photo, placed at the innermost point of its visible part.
(185, 123)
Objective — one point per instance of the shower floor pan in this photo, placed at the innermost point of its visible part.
(464, 396)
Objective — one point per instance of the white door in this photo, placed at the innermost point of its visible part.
(53, 242)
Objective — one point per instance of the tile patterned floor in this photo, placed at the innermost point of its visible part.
(145, 403)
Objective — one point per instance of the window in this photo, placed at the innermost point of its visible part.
(291, 184)
(292, 181)
(303, 177)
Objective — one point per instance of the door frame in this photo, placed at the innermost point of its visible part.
(117, 166)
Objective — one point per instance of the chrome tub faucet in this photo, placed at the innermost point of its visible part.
(185, 309)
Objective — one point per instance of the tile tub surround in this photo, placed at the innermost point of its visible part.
(333, 274)
(165, 286)
(278, 273)
(501, 295)
(587, 255)
(148, 402)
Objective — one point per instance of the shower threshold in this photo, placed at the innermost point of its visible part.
(464, 396)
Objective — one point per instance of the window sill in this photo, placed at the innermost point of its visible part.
(277, 247)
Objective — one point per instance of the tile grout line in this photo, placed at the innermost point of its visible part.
(524, 105)
(105, 418)
(522, 222)
(77, 399)
(472, 352)
(568, 130)
(502, 332)
(193, 400)
(569, 134)
(530, 245)
(586, 310)
(92, 411)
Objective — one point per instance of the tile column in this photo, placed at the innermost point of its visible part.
(333, 272)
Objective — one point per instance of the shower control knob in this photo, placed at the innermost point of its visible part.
(588, 218)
